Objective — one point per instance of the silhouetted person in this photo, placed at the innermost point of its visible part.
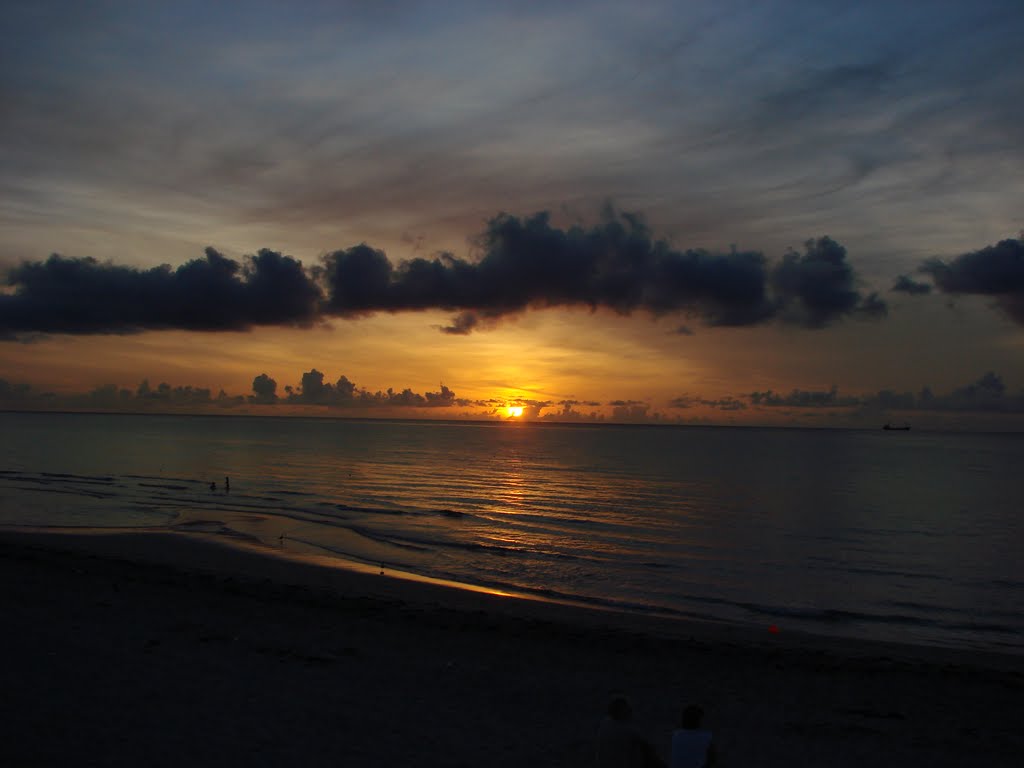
(619, 745)
(213, 487)
(227, 484)
(691, 746)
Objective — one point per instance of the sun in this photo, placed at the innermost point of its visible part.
(514, 411)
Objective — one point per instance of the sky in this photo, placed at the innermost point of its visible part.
(701, 212)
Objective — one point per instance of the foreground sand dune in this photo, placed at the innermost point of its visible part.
(166, 649)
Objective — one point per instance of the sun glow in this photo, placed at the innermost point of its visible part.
(514, 411)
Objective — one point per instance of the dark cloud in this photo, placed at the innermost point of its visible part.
(215, 293)
(818, 286)
(905, 284)
(462, 324)
(165, 394)
(800, 398)
(19, 392)
(996, 270)
(264, 389)
(345, 394)
(722, 404)
(110, 396)
(525, 263)
(568, 412)
(616, 265)
(313, 390)
(636, 412)
(987, 394)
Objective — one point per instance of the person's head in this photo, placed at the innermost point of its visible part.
(692, 716)
(619, 709)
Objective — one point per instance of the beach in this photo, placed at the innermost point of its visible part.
(173, 649)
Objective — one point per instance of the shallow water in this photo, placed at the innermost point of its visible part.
(900, 536)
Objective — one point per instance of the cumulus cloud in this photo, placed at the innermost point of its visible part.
(524, 263)
(112, 397)
(728, 403)
(166, 394)
(529, 263)
(313, 390)
(987, 394)
(801, 398)
(818, 286)
(996, 271)
(20, 392)
(215, 293)
(905, 284)
(631, 412)
(345, 394)
(264, 389)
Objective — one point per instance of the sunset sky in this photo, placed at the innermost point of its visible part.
(732, 212)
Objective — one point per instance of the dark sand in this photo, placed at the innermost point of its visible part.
(163, 649)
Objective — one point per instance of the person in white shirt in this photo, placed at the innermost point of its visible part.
(692, 747)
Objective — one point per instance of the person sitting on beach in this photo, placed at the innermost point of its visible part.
(619, 745)
(691, 746)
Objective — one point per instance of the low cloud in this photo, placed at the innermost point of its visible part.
(264, 390)
(312, 390)
(215, 293)
(721, 404)
(996, 271)
(112, 397)
(905, 284)
(524, 263)
(986, 395)
(818, 286)
(343, 393)
(801, 398)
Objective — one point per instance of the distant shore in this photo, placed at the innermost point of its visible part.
(173, 649)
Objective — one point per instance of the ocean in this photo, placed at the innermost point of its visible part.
(909, 536)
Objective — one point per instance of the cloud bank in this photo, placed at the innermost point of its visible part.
(345, 394)
(312, 390)
(215, 293)
(524, 263)
(996, 271)
(986, 395)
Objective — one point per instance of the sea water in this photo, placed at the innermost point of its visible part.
(908, 536)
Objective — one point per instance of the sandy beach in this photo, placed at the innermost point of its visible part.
(172, 649)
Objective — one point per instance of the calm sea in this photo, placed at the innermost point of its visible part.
(903, 536)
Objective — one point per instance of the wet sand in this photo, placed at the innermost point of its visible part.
(170, 649)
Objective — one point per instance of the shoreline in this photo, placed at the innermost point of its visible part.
(254, 562)
(190, 640)
(251, 559)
